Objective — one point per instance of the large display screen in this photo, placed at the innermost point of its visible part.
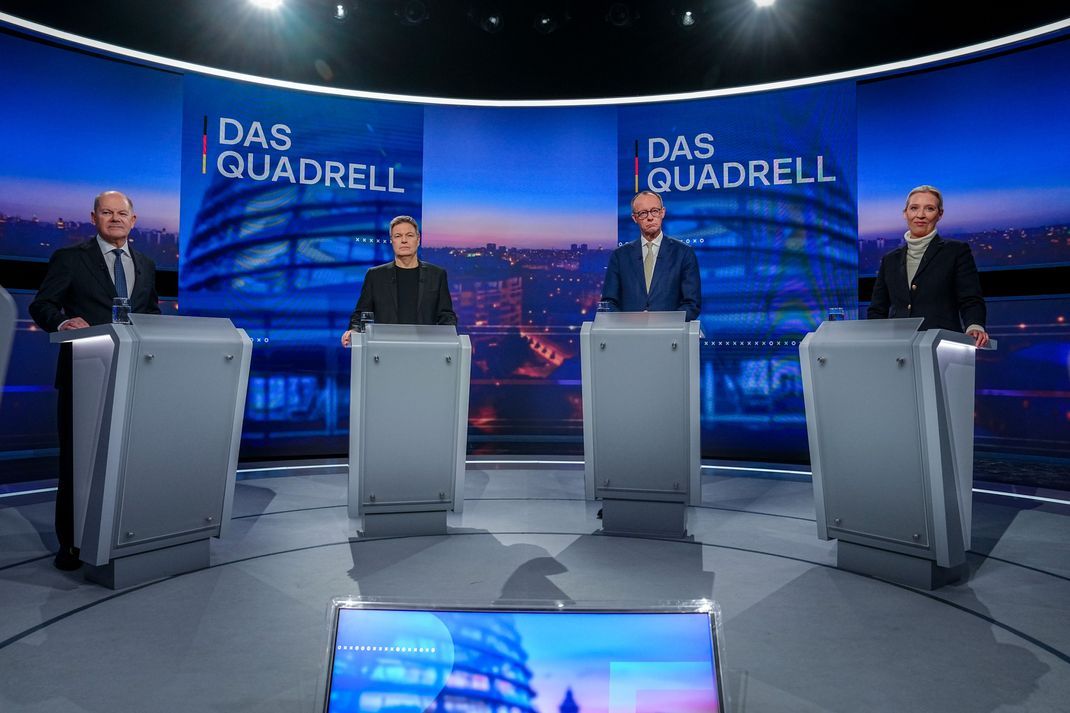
(522, 662)
(762, 187)
(287, 197)
(992, 136)
(273, 203)
(81, 125)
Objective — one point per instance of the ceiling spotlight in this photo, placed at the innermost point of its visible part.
(492, 22)
(545, 23)
(267, 4)
(341, 12)
(486, 16)
(686, 18)
(412, 12)
(621, 14)
(764, 3)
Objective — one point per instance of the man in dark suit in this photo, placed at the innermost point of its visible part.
(78, 291)
(928, 276)
(654, 273)
(407, 290)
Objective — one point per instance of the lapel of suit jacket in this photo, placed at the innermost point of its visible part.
(930, 254)
(635, 263)
(420, 288)
(97, 266)
(393, 296)
(141, 283)
(897, 278)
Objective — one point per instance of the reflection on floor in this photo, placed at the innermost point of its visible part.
(248, 634)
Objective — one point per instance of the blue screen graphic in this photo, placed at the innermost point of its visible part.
(286, 198)
(519, 207)
(65, 145)
(762, 187)
(993, 140)
(527, 662)
(522, 206)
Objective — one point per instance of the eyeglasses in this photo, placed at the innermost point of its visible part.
(653, 212)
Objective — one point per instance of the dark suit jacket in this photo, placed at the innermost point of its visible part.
(380, 295)
(675, 286)
(77, 284)
(946, 290)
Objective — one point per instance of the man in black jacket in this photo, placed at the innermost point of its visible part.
(930, 277)
(78, 291)
(407, 290)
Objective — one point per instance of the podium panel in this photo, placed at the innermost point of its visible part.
(889, 415)
(631, 376)
(882, 493)
(158, 407)
(179, 489)
(641, 427)
(8, 315)
(408, 427)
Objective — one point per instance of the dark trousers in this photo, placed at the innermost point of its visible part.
(65, 420)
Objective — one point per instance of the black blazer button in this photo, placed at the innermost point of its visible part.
(913, 287)
(908, 307)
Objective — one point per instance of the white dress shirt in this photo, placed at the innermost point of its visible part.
(128, 262)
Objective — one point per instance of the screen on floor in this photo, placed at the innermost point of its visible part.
(522, 661)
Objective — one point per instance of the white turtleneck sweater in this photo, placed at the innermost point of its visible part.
(915, 250)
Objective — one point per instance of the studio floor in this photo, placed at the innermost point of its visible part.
(249, 632)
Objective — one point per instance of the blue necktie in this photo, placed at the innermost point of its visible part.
(120, 274)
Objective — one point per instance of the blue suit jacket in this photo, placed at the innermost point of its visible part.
(675, 286)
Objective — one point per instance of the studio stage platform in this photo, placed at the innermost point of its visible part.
(248, 633)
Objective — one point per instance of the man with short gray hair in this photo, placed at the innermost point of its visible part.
(405, 290)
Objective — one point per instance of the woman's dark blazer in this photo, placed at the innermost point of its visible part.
(946, 290)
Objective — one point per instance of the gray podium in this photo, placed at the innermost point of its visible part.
(641, 435)
(8, 315)
(158, 407)
(408, 427)
(889, 416)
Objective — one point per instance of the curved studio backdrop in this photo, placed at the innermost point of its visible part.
(271, 203)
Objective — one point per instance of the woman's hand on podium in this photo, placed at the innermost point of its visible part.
(346, 338)
(980, 337)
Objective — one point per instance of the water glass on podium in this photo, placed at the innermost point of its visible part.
(120, 310)
(360, 324)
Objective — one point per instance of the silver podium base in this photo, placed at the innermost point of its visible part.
(404, 524)
(644, 518)
(895, 567)
(129, 571)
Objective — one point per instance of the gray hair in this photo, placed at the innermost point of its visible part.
(927, 189)
(96, 201)
(404, 219)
